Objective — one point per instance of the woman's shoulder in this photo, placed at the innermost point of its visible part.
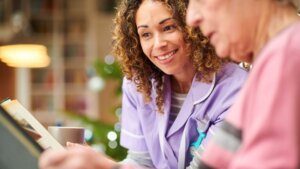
(232, 72)
(130, 92)
(129, 85)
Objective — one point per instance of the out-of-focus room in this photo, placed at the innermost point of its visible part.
(55, 59)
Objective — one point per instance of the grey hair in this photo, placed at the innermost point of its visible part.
(295, 3)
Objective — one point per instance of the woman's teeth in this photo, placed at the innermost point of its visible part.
(167, 56)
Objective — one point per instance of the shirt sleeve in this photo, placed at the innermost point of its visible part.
(130, 167)
(138, 159)
(132, 136)
(228, 90)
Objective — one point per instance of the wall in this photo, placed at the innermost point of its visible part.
(7, 81)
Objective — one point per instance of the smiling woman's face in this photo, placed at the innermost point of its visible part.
(161, 39)
(229, 24)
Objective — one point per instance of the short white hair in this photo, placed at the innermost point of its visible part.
(295, 3)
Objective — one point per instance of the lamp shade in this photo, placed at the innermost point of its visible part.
(25, 55)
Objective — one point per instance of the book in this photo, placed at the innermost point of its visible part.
(18, 148)
(30, 124)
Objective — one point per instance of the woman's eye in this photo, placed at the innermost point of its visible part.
(169, 28)
(145, 35)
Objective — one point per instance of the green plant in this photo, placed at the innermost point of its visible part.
(110, 71)
(100, 129)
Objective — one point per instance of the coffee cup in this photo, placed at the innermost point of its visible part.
(64, 134)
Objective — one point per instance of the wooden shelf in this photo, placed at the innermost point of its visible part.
(69, 29)
(61, 24)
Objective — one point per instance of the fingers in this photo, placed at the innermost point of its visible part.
(75, 157)
(72, 158)
(70, 145)
(52, 158)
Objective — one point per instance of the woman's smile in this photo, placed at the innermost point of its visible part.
(167, 57)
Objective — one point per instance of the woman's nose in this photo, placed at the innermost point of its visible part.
(160, 41)
(193, 16)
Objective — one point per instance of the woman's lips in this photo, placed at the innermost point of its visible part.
(166, 58)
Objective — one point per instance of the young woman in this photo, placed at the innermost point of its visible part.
(262, 128)
(175, 91)
(174, 87)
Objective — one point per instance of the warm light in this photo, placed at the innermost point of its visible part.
(21, 55)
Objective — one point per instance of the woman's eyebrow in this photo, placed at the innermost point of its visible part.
(161, 22)
(142, 26)
(165, 20)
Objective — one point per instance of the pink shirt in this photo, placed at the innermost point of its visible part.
(266, 112)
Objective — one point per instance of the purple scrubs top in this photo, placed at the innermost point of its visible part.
(145, 130)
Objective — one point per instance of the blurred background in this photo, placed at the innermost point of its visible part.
(75, 80)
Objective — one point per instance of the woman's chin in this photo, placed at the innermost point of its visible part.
(222, 52)
(242, 57)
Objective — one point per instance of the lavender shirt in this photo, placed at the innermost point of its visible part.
(145, 130)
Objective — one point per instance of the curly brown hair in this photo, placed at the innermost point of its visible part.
(135, 64)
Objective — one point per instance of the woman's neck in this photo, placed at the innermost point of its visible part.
(275, 19)
(182, 83)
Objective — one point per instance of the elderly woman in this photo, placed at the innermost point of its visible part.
(261, 129)
(176, 91)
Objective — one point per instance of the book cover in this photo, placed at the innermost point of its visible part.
(18, 149)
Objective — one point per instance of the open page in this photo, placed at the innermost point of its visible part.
(30, 124)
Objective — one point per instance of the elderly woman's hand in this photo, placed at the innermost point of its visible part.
(75, 157)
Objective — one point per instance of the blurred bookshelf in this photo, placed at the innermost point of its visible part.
(75, 32)
(64, 23)
(60, 25)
